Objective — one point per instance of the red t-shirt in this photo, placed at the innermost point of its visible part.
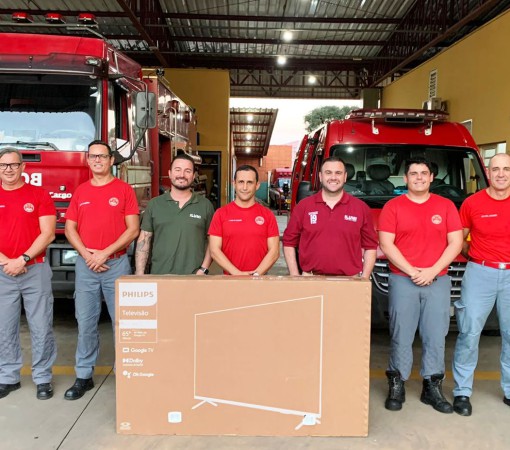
(420, 229)
(488, 220)
(244, 233)
(100, 212)
(20, 210)
(330, 241)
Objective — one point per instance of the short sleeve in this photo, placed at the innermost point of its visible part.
(216, 227)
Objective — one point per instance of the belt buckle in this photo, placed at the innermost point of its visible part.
(502, 266)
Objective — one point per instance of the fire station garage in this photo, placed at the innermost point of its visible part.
(292, 363)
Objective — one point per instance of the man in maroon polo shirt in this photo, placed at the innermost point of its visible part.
(332, 230)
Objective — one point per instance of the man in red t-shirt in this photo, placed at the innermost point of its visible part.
(101, 222)
(243, 235)
(28, 219)
(420, 234)
(332, 229)
(485, 217)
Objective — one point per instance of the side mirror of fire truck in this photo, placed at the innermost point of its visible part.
(145, 104)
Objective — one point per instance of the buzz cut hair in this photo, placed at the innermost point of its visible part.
(247, 168)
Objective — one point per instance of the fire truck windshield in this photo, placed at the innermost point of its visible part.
(48, 112)
(375, 172)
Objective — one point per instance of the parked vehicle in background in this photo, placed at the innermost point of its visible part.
(279, 188)
(58, 93)
(375, 145)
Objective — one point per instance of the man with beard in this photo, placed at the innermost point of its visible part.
(333, 230)
(177, 222)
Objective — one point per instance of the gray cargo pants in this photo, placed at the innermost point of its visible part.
(412, 307)
(35, 288)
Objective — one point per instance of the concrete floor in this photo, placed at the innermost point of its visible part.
(89, 423)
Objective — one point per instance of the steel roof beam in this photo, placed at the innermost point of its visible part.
(153, 46)
(447, 13)
(290, 19)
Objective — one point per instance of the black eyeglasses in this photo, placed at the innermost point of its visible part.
(13, 166)
(92, 157)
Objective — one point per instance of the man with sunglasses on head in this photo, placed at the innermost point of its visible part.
(101, 221)
(28, 219)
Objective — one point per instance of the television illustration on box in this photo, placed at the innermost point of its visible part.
(245, 360)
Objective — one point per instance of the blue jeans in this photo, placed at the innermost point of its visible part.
(481, 288)
(90, 288)
(35, 289)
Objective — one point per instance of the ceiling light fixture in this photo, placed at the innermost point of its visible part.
(312, 79)
(287, 36)
(248, 137)
(248, 149)
(281, 60)
(249, 117)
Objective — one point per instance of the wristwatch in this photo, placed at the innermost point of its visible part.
(26, 258)
(203, 269)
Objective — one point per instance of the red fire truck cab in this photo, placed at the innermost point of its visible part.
(375, 145)
(57, 94)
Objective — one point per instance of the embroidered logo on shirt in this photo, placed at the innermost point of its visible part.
(259, 220)
(488, 216)
(350, 218)
(195, 216)
(28, 207)
(114, 201)
(235, 220)
(84, 203)
(436, 219)
(313, 217)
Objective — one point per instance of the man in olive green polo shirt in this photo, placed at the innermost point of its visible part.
(177, 222)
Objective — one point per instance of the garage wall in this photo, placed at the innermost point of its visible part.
(208, 91)
(474, 79)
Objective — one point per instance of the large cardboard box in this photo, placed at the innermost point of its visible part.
(242, 356)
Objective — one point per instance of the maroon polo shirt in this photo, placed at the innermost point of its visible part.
(330, 241)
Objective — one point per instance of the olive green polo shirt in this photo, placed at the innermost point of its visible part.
(179, 234)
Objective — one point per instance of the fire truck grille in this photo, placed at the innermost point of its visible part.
(382, 271)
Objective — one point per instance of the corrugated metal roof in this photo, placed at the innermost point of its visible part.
(347, 44)
(251, 130)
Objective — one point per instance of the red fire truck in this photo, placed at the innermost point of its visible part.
(58, 93)
(375, 145)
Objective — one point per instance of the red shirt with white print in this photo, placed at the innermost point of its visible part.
(100, 212)
(20, 210)
(244, 233)
(420, 229)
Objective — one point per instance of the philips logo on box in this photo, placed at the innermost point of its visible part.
(138, 294)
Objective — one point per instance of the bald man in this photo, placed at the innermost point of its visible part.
(485, 218)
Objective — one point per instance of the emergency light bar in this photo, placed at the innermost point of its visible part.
(403, 115)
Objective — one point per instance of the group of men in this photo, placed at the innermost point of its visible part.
(332, 231)
(101, 222)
